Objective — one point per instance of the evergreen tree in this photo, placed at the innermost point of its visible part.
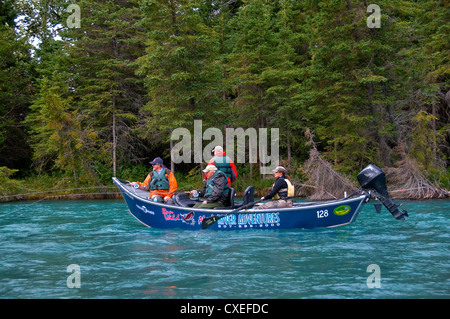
(110, 92)
(60, 140)
(181, 73)
(95, 89)
(428, 97)
(102, 53)
(252, 55)
(285, 75)
(16, 90)
(333, 98)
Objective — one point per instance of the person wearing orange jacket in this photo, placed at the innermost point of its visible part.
(224, 164)
(160, 182)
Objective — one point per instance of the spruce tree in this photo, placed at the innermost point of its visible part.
(60, 139)
(16, 90)
(102, 52)
(181, 74)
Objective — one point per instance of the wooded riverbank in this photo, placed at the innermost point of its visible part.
(332, 187)
(98, 90)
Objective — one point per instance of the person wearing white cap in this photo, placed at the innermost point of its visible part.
(282, 190)
(216, 188)
(224, 164)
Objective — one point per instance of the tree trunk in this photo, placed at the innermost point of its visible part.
(383, 147)
(114, 146)
(289, 150)
(172, 164)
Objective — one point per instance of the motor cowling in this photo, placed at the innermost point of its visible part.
(373, 178)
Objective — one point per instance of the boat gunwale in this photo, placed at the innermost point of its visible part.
(307, 205)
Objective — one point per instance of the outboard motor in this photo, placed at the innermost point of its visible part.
(372, 178)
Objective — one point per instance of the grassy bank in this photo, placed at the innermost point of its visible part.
(57, 186)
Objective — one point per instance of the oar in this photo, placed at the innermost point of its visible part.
(123, 181)
(213, 219)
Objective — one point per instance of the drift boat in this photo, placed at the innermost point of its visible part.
(239, 216)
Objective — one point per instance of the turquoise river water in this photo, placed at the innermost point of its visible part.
(95, 249)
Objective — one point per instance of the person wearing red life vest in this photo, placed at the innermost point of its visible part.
(224, 164)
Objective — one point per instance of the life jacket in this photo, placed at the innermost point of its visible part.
(285, 193)
(223, 164)
(210, 185)
(160, 180)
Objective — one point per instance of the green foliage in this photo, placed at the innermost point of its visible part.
(58, 136)
(424, 140)
(7, 185)
(245, 179)
(102, 99)
(132, 172)
(16, 68)
(181, 74)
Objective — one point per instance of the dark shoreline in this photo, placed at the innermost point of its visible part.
(116, 195)
(85, 196)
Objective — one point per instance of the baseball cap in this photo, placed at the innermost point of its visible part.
(279, 169)
(209, 168)
(157, 160)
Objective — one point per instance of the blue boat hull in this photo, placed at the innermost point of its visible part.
(305, 215)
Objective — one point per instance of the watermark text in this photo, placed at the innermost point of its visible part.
(374, 20)
(74, 279)
(374, 280)
(241, 145)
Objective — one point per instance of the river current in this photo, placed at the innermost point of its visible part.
(96, 249)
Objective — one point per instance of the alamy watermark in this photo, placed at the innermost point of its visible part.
(74, 279)
(235, 139)
(74, 20)
(374, 279)
(257, 139)
(374, 20)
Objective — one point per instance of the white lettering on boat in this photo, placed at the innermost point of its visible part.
(250, 220)
(145, 210)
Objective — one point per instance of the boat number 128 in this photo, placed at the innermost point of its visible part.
(322, 213)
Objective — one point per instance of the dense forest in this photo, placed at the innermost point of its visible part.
(93, 89)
